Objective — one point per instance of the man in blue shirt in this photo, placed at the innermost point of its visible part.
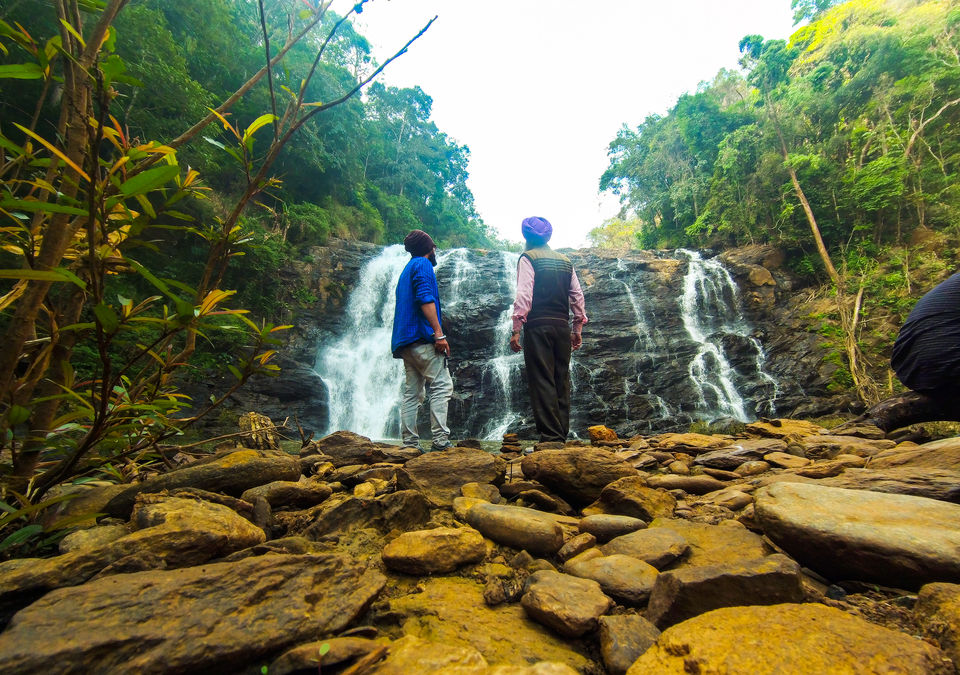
(418, 339)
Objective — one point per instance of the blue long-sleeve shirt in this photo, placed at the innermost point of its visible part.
(417, 286)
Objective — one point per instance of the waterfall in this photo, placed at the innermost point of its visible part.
(667, 344)
(710, 309)
(363, 379)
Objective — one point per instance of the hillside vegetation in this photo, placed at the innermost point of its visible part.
(840, 146)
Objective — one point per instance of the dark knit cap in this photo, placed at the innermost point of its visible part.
(418, 243)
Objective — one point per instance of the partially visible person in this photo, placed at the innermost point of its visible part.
(547, 291)
(926, 354)
(419, 340)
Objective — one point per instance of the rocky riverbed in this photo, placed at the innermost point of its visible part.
(785, 548)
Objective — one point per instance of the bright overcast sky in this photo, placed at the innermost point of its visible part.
(537, 89)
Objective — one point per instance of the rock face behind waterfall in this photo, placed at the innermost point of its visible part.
(640, 369)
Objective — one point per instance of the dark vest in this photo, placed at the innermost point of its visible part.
(551, 287)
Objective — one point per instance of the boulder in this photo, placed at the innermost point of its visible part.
(808, 639)
(658, 547)
(942, 454)
(517, 526)
(605, 528)
(942, 484)
(896, 540)
(451, 610)
(343, 448)
(440, 475)
(601, 433)
(733, 456)
(402, 510)
(784, 429)
(630, 496)
(170, 532)
(307, 656)
(566, 604)
(623, 577)
(212, 618)
(442, 549)
(785, 460)
(692, 443)
(289, 494)
(576, 474)
(937, 613)
(485, 491)
(828, 447)
(695, 485)
(576, 545)
(230, 474)
(724, 543)
(623, 638)
(685, 593)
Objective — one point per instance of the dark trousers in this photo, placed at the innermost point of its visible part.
(546, 354)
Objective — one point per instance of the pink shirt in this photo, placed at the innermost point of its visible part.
(521, 307)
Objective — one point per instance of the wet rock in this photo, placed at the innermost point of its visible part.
(344, 448)
(896, 540)
(517, 526)
(452, 611)
(541, 500)
(484, 491)
(726, 542)
(832, 467)
(231, 474)
(442, 549)
(721, 474)
(828, 447)
(307, 656)
(678, 467)
(657, 547)
(753, 468)
(860, 430)
(601, 433)
(682, 594)
(578, 475)
(463, 504)
(576, 546)
(566, 604)
(289, 494)
(605, 527)
(215, 617)
(623, 638)
(170, 532)
(623, 577)
(942, 454)
(630, 496)
(440, 475)
(941, 484)
(733, 456)
(694, 444)
(399, 510)
(784, 429)
(92, 538)
(731, 499)
(937, 613)
(807, 639)
(785, 460)
(695, 485)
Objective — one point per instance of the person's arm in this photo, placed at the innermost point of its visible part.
(521, 306)
(439, 339)
(579, 311)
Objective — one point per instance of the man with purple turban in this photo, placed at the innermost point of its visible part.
(418, 339)
(547, 292)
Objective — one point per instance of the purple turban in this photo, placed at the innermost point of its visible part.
(418, 243)
(536, 230)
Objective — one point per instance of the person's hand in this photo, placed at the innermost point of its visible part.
(515, 343)
(442, 346)
(576, 341)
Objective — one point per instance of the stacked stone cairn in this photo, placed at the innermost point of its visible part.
(782, 549)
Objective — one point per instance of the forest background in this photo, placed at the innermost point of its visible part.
(137, 223)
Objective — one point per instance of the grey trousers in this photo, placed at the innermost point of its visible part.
(425, 369)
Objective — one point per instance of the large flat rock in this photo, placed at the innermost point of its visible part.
(210, 619)
(896, 540)
(809, 639)
(440, 475)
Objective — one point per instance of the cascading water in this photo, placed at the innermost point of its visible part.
(710, 309)
(667, 344)
(361, 375)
